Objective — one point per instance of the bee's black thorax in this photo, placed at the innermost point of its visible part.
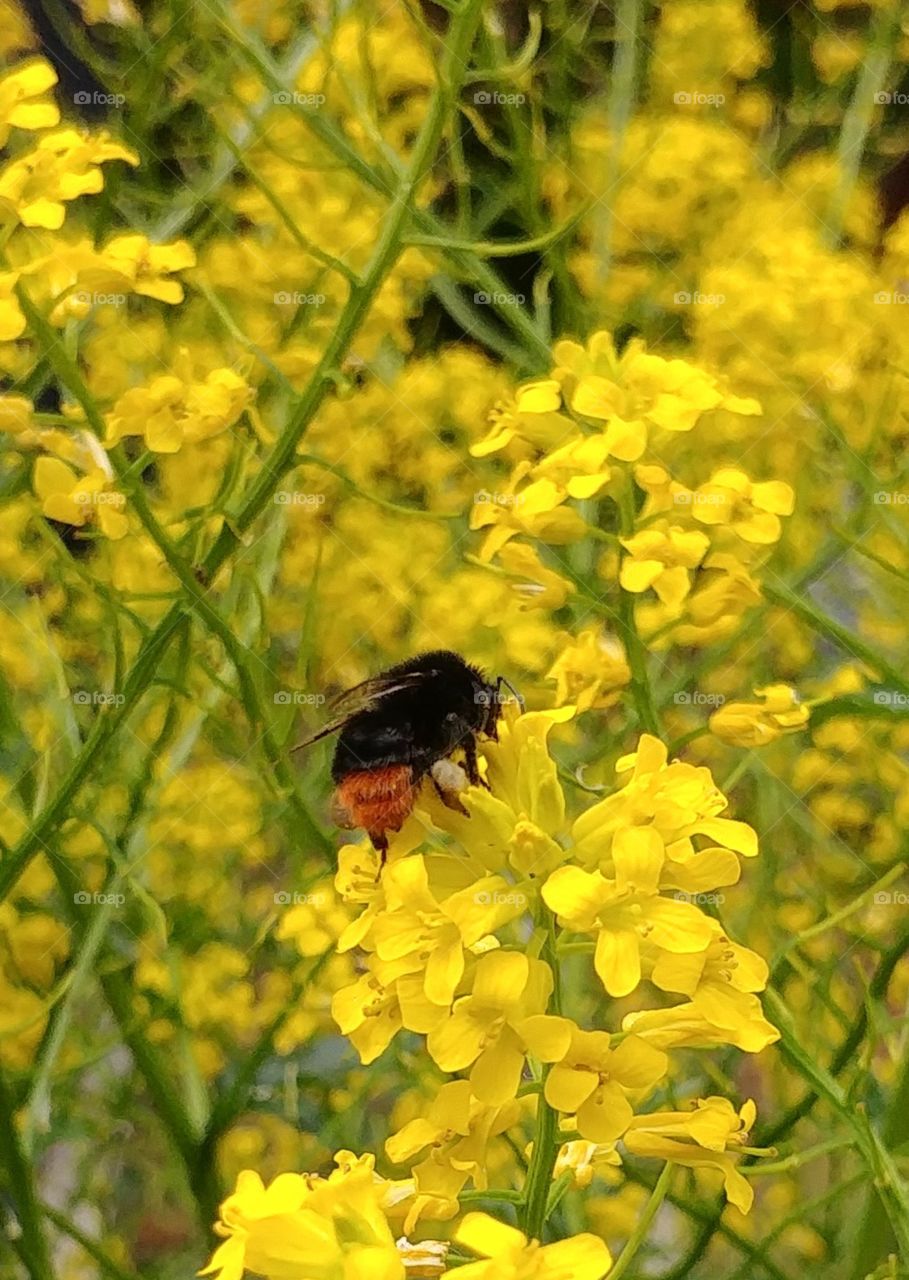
(442, 704)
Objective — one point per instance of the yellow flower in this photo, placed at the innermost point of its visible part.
(63, 166)
(21, 91)
(171, 412)
(502, 1020)
(751, 510)
(754, 724)
(626, 913)
(132, 262)
(12, 321)
(303, 1227)
(662, 559)
(435, 932)
(579, 467)
(511, 1256)
(532, 416)
(593, 1081)
(76, 500)
(457, 1128)
(535, 511)
(698, 1139)
(591, 671)
(539, 586)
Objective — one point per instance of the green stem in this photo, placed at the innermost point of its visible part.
(639, 1235)
(859, 115)
(546, 1140)
(846, 639)
(19, 1178)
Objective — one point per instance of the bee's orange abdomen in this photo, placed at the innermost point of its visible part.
(378, 800)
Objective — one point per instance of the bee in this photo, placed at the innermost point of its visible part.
(402, 726)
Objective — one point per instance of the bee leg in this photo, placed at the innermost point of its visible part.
(470, 763)
(380, 844)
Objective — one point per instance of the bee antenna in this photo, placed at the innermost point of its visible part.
(500, 680)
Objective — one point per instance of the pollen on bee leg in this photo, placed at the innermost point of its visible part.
(449, 780)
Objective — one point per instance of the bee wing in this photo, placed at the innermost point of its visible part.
(362, 697)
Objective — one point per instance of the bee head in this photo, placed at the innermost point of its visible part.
(489, 700)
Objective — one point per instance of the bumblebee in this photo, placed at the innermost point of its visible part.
(402, 726)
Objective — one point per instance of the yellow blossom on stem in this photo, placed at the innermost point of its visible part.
(750, 509)
(22, 104)
(594, 1080)
(509, 1255)
(754, 724)
(498, 1024)
(302, 1227)
(64, 165)
(78, 500)
(532, 416)
(662, 559)
(591, 671)
(698, 1139)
